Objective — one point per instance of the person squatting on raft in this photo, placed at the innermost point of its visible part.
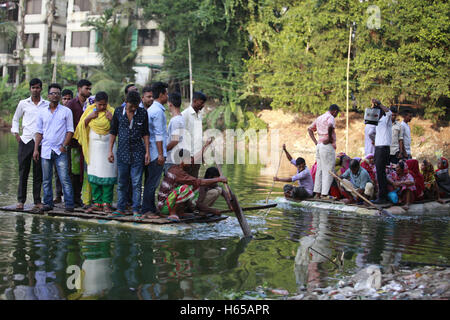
(93, 135)
(180, 192)
(325, 150)
(361, 181)
(403, 183)
(303, 176)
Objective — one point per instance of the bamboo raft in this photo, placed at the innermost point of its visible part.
(160, 225)
(416, 208)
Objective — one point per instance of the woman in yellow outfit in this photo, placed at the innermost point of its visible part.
(92, 134)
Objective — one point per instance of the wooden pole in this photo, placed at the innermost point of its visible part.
(356, 193)
(276, 174)
(236, 208)
(348, 76)
(56, 62)
(191, 87)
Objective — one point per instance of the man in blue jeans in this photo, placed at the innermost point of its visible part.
(157, 125)
(130, 125)
(54, 128)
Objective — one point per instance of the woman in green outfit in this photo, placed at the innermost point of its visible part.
(93, 135)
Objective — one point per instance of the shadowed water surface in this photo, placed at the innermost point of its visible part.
(48, 258)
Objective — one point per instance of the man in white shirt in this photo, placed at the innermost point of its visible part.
(406, 131)
(175, 130)
(397, 138)
(28, 110)
(193, 123)
(369, 139)
(383, 141)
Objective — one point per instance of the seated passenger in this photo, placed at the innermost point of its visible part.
(431, 191)
(342, 163)
(403, 183)
(369, 164)
(413, 168)
(305, 181)
(442, 178)
(210, 193)
(360, 180)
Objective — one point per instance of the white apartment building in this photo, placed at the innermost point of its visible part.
(77, 43)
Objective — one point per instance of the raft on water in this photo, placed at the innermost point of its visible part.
(161, 225)
(417, 208)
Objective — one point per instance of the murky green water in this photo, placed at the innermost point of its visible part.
(40, 258)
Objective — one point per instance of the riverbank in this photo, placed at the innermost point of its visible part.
(428, 142)
(420, 283)
(370, 283)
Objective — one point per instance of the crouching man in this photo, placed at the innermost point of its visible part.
(303, 176)
(179, 191)
(359, 178)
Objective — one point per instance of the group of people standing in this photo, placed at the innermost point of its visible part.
(77, 137)
(387, 174)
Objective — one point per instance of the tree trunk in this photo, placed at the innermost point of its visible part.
(50, 20)
(22, 41)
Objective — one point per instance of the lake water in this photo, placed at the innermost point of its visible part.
(41, 258)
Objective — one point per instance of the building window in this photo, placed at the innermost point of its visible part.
(148, 37)
(12, 72)
(33, 6)
(82, 5)
(32, 40)
(80, 39)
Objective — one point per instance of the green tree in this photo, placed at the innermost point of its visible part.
(407, 59)
(300, 53)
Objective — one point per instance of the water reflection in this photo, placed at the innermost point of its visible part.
(40, 257)
(56, 260)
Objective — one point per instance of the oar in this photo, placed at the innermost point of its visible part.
(252, 208)
(236, 208)
(276, 174)
(349, 186)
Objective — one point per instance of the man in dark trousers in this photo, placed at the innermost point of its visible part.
(28, 109)
(383, 141)
(76, 168)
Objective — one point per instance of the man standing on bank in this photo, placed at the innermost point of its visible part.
(193, 123)
(77, 106)
(54, 128)
(29, 110)
(157, 126)
(383, 140)
(325, 150)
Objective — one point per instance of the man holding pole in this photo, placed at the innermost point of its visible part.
(383, 141)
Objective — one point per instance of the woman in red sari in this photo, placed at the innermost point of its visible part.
(413, 167)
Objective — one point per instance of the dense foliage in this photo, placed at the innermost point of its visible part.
(289, 54)
(300, 53)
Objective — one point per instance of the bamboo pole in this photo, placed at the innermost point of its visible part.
(56, 62)
(348, 76)
(191, 87)
(276, 174)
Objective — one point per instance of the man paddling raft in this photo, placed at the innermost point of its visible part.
(303, 176)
